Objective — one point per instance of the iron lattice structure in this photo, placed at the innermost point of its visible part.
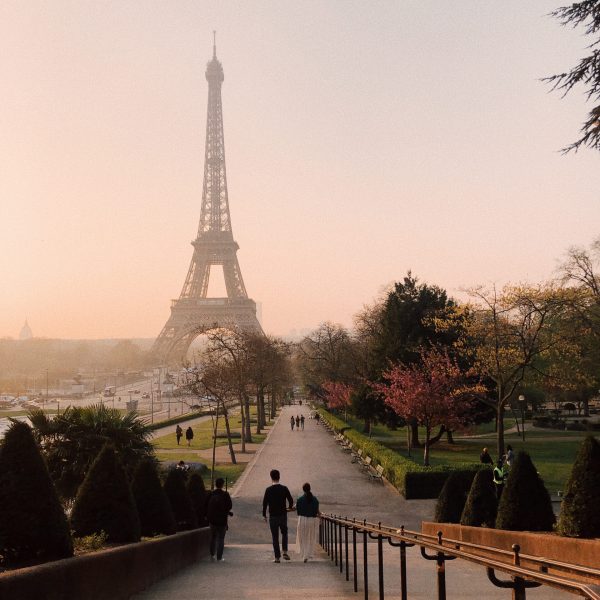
(193, 312)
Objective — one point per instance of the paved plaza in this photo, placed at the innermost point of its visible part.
(312, 455)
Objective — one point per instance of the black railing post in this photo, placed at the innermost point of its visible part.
(354, 571)
(365, 564)
(519, 592)
(380, 561)
(441, 571)
(341, 542)
(321, 532)
(335, 542)
(346, 545)
(403, 590)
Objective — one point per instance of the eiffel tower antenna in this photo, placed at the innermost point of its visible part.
(193, 313)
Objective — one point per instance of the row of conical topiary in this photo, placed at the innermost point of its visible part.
(33, 524)
(525, 503)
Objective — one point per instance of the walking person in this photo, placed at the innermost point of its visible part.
(510, 456)
(218, 509)
(275, 499)
(292, 422)
(302, 422)
(178, 433)
(297, 422)
(485, 457)
(189, 435)
(307, 507)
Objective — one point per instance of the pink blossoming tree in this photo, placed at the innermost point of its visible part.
(434, 392)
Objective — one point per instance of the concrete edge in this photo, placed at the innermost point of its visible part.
(235, 491)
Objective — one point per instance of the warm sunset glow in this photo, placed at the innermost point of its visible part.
(362, 140)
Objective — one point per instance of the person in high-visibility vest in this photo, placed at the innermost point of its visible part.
(499, 477)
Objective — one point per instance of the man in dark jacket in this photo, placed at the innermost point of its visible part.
(275, 498)
(218, 509)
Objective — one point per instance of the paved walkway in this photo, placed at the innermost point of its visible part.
(312, 455)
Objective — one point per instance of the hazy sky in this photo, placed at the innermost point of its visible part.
(362, 139)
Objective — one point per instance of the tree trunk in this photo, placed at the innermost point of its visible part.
(229, 442)
(500, 421)
(450, 437)
(367, 427)
(214, 448)
(259, 412)
(414, 435)
(586, 407)
(426, 451)
(247, 428)
(243, 425)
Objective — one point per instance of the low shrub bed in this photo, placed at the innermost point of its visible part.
(412, 481)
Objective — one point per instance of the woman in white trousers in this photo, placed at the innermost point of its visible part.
(307, 507)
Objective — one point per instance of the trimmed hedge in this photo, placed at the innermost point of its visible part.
(413, 481)
(453, 497)
(180, 419)
(579, 515)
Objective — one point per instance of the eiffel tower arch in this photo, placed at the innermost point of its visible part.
(193, 312)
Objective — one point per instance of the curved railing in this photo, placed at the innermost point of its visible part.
(342, 537)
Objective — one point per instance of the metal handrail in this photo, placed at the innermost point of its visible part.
(542, 562)
(522, 577)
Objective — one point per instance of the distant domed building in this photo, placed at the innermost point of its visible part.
(26, 333)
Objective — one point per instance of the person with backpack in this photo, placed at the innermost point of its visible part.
(178, 433)
(218, 509)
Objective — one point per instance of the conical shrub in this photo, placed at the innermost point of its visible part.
(33, 525)
(179, 498)
(104, 502)
(580, 510)
(198, 496)
(154, 509)
(481, 505)
(453, 496)
(525, 503)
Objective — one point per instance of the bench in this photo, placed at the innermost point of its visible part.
(366, 463)
(348, 447)
(357, 456)
(376, 474)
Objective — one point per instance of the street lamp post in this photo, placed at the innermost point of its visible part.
(523, 405)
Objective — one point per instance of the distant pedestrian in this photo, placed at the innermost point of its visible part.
(178, 433)
(218, 509)
(499, 478)
(189, 435)
(275, 499)
(297, 421)
(485, 457)
(292, 422)
(302, 422)
(510, 456)
(307, 507)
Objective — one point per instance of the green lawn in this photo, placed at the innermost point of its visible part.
(552, 451)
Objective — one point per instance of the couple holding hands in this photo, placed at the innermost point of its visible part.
(275, 499)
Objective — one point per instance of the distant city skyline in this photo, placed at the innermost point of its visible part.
(361, 140)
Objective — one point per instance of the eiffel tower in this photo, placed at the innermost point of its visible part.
(193, 313)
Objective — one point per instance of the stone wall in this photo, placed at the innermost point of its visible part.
(112, 574)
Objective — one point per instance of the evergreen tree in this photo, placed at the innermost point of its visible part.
(453, 496)
(525, 503)
(104, 502)
(154, 509)
(198, 496)
(580, 514)
(33, 525)
(179, 498)
(481, 506)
